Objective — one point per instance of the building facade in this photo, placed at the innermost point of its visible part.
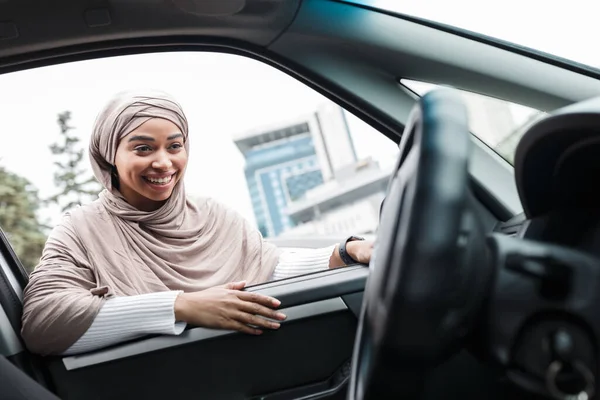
(285, 161)
(349, 204)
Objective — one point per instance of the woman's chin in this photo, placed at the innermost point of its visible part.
(157, 195)
(160, 196)
(149, 197)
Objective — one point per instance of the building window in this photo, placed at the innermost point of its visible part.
(299, 184)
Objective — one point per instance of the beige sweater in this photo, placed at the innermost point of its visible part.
(129, 317)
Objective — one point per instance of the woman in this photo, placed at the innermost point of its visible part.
(142, 259)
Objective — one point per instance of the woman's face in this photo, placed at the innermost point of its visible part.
(150, 161)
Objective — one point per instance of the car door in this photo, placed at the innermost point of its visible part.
(308, 356)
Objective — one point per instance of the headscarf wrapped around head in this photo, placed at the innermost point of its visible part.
(123, 114)
(110, 248)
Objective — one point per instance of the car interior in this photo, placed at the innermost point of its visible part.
(484, 279)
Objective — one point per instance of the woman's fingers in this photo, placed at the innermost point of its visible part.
(258, 298)
(255, 320)
(240, 326)
(258, 309)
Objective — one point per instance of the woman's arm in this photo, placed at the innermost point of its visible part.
(294, 262)
(167, 313)
(126, 318)
(129, 317)
(62, 284)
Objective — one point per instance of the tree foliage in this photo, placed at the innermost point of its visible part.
(19, 203)
(75, 185)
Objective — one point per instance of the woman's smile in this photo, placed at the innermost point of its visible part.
(160, 182)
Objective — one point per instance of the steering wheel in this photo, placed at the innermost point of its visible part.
(425, 284)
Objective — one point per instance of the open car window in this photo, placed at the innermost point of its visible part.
(498, 123)
(290, 161)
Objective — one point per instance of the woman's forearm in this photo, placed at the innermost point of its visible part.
(129, 317)
(300, 261)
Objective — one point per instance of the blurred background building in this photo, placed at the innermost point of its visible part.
(304, 177)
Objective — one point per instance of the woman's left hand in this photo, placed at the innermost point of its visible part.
(360, 250)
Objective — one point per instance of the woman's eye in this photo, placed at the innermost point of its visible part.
(176, 146)
(142, 148)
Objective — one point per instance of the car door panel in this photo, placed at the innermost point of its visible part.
(308, 356)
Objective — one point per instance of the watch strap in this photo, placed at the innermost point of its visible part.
(346, 258)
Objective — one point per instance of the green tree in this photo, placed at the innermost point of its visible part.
(75, 185)
(19, 203)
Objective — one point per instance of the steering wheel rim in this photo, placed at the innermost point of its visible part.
(409, 321)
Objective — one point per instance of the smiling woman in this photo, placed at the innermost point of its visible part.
(142, 259)
(149, 163)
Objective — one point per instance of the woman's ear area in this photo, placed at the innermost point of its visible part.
(114, 177)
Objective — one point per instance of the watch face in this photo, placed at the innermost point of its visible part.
(352, 238)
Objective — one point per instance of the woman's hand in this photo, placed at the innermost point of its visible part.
(227, 307)
(360, 250)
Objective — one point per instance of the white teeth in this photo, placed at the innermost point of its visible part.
(160, 181)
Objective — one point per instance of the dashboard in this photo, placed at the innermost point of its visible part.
(546, 288)
(578, 229)
(557, 170)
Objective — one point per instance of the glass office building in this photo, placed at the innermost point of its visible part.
(284, 162)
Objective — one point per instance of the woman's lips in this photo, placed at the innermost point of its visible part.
(159, 182)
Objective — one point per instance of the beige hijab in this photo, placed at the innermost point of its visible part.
(109, 248)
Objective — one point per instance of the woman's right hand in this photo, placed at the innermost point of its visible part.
(228, 307)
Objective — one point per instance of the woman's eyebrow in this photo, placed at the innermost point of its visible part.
(140, 137)
(151, 139)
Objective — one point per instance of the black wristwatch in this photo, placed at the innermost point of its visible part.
(346, 259)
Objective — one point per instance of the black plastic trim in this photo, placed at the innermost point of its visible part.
(491, 202)
(514, 227)
(9, 300)
(314, 287)
(13, 261)
(334, 387)
(354, 302)
(16, 385)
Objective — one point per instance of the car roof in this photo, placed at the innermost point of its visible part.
(329, 45)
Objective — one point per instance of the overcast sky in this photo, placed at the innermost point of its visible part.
(224, 95)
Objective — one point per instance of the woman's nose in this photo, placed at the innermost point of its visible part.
(162, 162)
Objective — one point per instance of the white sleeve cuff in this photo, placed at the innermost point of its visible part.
(293, 262)
(129, 317)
